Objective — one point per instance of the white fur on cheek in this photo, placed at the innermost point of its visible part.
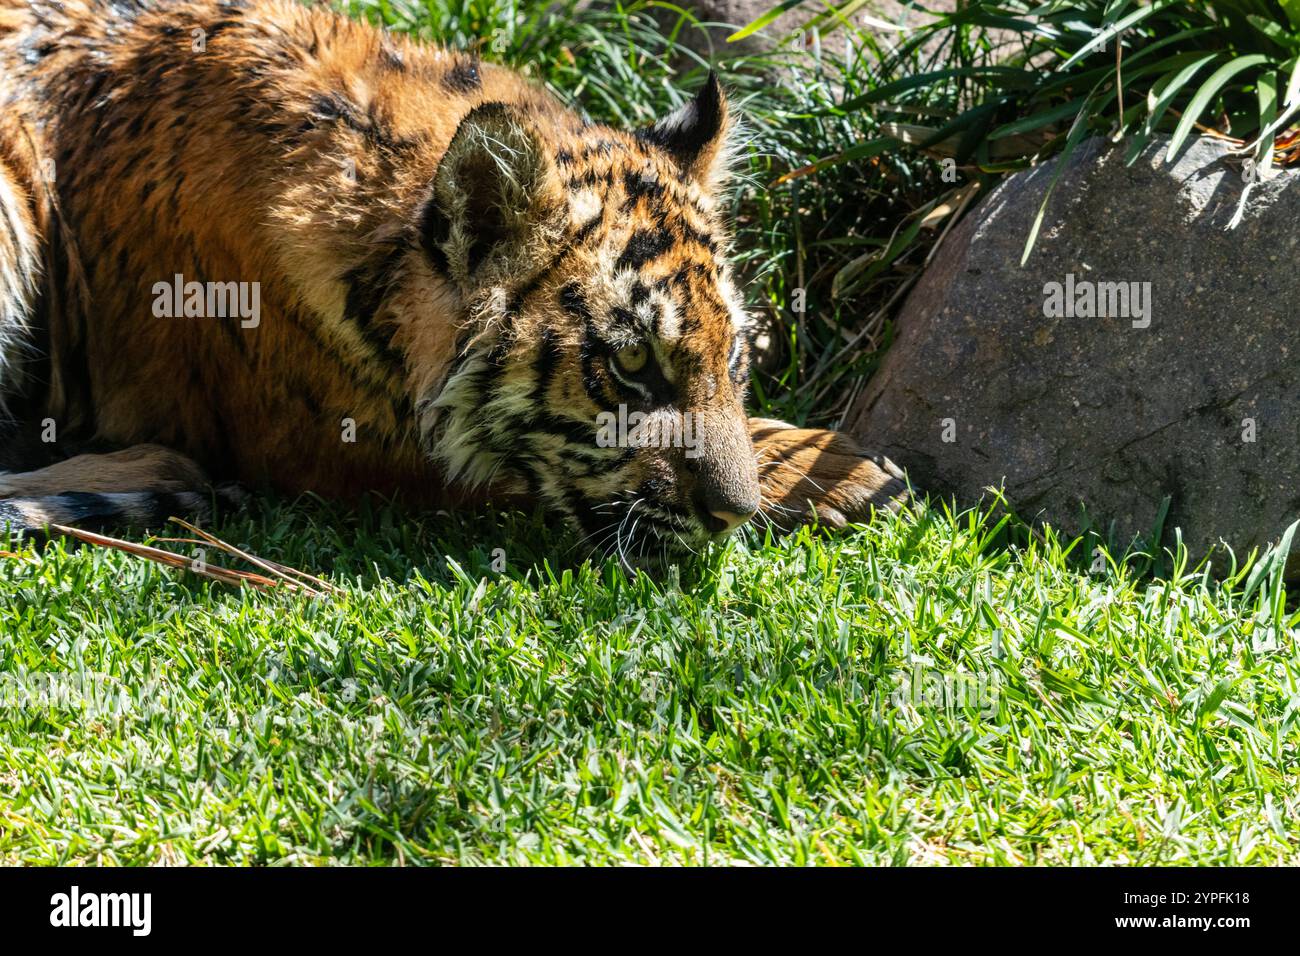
(740, 319)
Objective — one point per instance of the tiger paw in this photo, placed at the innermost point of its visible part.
(808, 473)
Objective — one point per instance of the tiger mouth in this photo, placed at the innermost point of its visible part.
(642, 532)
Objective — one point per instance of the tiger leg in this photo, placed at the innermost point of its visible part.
(813, 472)
(141, 486)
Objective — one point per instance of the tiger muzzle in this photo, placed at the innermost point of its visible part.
(725, 490)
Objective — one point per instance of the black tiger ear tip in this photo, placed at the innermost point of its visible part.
(710, 107)
(695, 128)
(710, 97)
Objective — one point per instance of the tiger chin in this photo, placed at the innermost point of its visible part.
(459, 283)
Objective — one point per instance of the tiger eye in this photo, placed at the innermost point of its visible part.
(632, 359)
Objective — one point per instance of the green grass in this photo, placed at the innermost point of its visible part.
(560, 712)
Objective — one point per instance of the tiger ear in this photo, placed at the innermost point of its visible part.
(496, 204)
(695, 136)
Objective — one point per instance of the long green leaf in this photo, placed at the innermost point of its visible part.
(1038, 120)
(1077, 129)
(1293, 84)
(764, 20)
(1292, 10)
(1267, 93)
(1021, 79)
(1274, 32)
(1167, 89)
(1114, 30)
(1209, 89)
(864, 150)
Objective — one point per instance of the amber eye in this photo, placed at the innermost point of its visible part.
(632, 359)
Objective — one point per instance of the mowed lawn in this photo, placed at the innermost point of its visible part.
(928, 689)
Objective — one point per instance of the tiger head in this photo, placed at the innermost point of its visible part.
(605, 362)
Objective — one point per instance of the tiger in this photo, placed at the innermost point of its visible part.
(254, 244)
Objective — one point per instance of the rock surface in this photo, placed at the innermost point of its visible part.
(1198, 401)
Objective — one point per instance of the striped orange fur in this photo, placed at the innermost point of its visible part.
(454, 278)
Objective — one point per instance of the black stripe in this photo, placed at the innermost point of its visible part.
(435, 229)
(334, 108)
(592, 356)
(621, 317)
(391, 58)
(574, 302)
(548, 358)
(85, 505)
(463, 77)
(581, 234)
(694, 235)
(644, 245)
(575, 432)
(637, 186)
(216, 29)
(367, 288)
(594, 465)
(586, 180)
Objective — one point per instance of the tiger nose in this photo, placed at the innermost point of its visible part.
(726, 492)
(724, 522)
(722, 513)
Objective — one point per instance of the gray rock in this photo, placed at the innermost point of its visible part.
(1103, 412)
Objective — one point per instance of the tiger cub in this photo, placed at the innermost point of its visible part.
(250, 241)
